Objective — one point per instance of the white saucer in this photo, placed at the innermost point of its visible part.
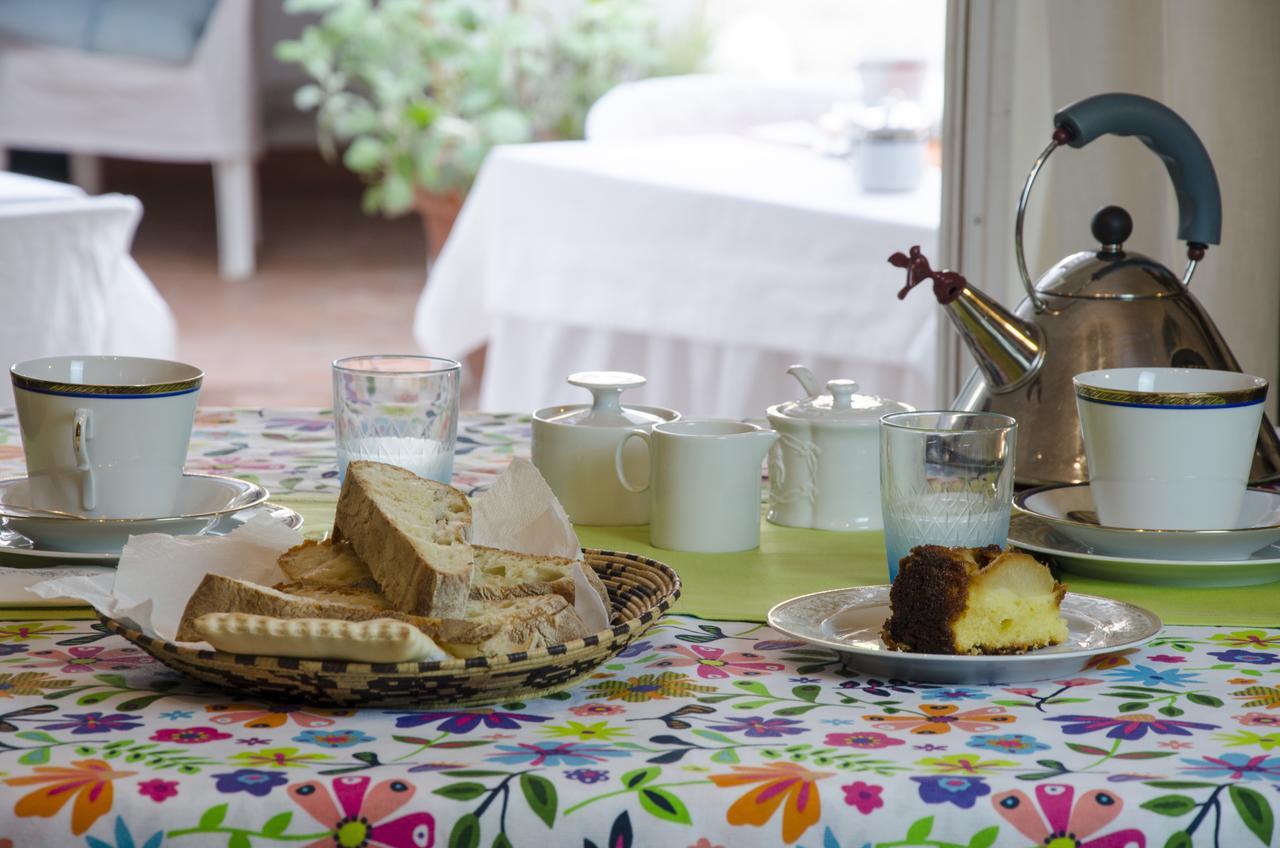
(848, 621)
(13, 543)
(1033, 534)
(1070, 511)
(202, 500)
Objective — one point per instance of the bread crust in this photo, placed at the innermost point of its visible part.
(217, 593)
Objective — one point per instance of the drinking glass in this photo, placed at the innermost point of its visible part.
(946, 478)
(398, 409)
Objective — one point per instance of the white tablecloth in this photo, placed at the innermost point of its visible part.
(67, 282)
(707, 263)
(19, 188)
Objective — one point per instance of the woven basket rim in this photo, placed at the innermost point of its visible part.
(557, 652)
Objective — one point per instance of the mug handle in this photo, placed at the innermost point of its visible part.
(81, 433)
(617, 460)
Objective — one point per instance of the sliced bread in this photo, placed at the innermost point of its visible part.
(353, 595)
(326, 563)
(217, 593)
(509, 625)
(507, 574)
(496, 573)
(412, 533)
(487, 627)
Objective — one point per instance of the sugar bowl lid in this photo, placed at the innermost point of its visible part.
(839, 404)
(606, 408)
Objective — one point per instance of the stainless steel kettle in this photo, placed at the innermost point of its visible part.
(1107, 307)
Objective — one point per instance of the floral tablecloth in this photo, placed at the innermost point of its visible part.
(703, 734)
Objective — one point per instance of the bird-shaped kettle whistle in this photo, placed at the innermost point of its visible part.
(1105, 307)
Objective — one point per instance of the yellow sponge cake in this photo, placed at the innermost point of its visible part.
(973, 601)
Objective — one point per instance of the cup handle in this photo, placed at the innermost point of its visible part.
(617, 460)
(81, 433)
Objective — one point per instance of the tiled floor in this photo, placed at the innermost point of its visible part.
(331, 281)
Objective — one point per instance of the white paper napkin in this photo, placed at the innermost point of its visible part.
(14, 583)
(157, 573)
(519, 512)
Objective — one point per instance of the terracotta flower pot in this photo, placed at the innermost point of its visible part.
(438, 212)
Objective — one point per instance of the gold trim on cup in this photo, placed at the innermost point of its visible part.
(1240, 397)
(51, 387)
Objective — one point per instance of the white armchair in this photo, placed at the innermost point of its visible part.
(99, 104)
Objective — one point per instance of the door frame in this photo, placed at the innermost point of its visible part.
(976, 224)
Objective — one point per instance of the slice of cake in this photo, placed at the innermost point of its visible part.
(973, 601)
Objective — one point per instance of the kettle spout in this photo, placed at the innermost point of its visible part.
(1009, 350)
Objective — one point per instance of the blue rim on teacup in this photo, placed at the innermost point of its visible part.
(1146, 388)
(57, 375)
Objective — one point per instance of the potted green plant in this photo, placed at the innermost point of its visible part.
(414, 93)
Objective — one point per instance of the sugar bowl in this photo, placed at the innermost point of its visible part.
(574, 447)
(824, 470)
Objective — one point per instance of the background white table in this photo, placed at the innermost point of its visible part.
(707, 263)
(67, 282)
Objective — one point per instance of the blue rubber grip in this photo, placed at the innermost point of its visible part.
(1169, 137)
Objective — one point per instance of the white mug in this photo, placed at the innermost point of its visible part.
(1169, 448)
(704, 483)
(105, 436)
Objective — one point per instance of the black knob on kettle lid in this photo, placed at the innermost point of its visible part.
(1111, 226)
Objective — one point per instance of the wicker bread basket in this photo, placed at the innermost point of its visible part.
(640, 591)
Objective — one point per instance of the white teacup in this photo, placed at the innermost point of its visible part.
(1169, 448)
(704, 483)
(105, 436)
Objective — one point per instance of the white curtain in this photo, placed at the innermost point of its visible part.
(1215, 64)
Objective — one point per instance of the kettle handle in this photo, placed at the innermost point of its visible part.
(1171, 138)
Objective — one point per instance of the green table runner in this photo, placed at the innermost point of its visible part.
(790, 562)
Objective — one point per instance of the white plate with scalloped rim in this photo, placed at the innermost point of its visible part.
(1040, 537)
(1070, 510)
(14, 544)
(848, 621)
(202, 501)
